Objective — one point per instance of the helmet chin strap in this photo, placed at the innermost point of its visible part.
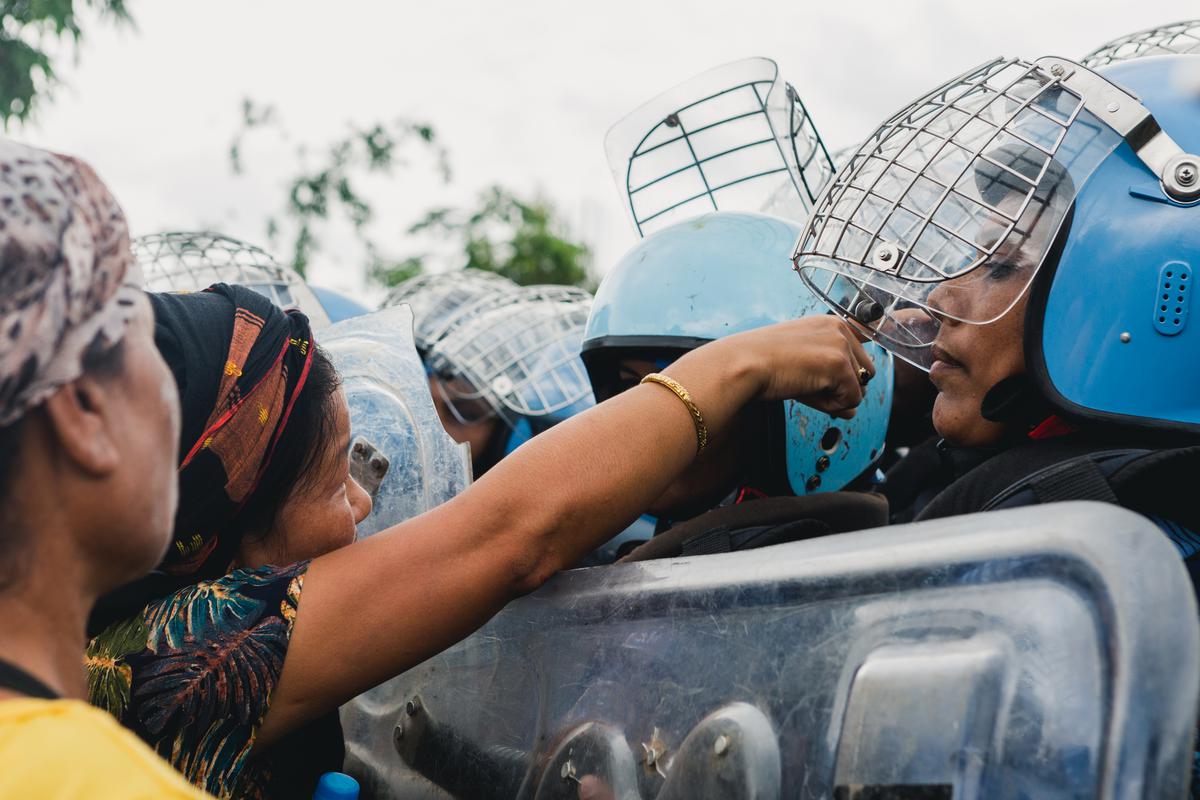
(1015, 401)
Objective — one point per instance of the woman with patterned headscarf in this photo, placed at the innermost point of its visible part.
(189, 655)
(86, 489)
(233, 667)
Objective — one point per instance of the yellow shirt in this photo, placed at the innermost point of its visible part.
(66, 750)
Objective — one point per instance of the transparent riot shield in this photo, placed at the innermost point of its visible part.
(403, 457)
(735, 138)
(189, 261)
(1046, 653)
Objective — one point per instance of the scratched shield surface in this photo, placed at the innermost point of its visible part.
(1007, 655)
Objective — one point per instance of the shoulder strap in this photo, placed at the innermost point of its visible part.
(18, 680)
(771, 520)
(1078, 478)
(995, 482)
(1159, 482)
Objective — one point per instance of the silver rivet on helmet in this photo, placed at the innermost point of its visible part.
(886, 256)
(1181, 178)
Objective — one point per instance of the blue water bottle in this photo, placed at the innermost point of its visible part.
(336, 786)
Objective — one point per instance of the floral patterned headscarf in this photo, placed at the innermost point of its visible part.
(67, 275)
(240, 364)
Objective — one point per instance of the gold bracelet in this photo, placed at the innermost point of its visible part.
(682, 394)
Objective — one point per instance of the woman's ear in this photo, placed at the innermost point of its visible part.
(81, 417)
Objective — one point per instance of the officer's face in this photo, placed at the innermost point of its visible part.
(470, 422)
(971, 359)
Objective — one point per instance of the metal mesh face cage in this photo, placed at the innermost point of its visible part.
(440, 299)
(1178, 38)
(186, 261)
(523, 357)
(980, 171)
(736, 138)
(441, 324)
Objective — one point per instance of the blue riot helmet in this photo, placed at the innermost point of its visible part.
(439, 300)
(1177, 38)
(339, 306)
(191, 261)
(518, 361)
(522, 360)
(1084, 183)
(710, 277)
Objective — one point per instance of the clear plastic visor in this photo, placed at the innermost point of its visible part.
(466, 404)
(735, 138)
(950, 209)
(522, 359)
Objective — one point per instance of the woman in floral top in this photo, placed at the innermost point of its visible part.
(232, 668)
(188, 658)
(201, 657)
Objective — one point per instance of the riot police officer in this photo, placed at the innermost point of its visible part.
(700, 280)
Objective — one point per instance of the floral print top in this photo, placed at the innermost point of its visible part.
(193, 674)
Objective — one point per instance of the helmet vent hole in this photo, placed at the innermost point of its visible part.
(831, 439)
(1165, 322)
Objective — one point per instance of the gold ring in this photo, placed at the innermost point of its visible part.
(863, 376)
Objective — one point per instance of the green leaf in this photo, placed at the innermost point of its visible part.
(302, 249)
(24, 71)
(520, 237)
(27, 75)
(393, 274)
(195, 612)
(109, 676)
(205, 702)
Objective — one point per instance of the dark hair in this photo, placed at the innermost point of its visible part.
(101, 359)
(301, 449)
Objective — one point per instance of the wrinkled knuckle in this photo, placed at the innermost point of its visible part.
(833, 360)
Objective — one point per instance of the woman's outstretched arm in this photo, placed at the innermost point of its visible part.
(373, 609)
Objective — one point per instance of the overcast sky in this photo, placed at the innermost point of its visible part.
(521, 92)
